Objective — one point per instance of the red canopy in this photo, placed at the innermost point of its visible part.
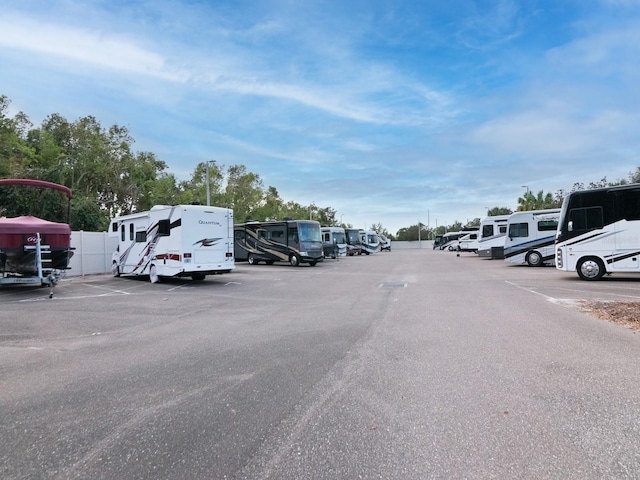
(29, 224)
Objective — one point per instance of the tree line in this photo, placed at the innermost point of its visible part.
(109, 178)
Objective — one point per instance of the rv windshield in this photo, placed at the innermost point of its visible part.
(309, 232)
(339, 237)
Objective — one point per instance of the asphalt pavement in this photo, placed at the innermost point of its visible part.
(410, 364)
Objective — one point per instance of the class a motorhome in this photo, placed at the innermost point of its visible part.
(447, 241)
(294, 241)
(334, 243)
(352, 237)
(468, 242)
(493, 231)
(174, 241)
(385, 243)
(599, 232)
(370, 242)
(530, 237)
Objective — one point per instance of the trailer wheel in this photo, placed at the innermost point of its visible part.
(153, 274)
(590, 268)
(294, 260)
(197, 277)
(252, 259)
(534, 259)
(115, 269)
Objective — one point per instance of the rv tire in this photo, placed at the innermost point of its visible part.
(314, 262)
(590, 268)
(534, 259)
(294, 260)
(197, 277)
(252, 259)
(153, 274)
(115, 269)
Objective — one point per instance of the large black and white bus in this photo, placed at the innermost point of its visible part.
(599, 232)
(293, 241)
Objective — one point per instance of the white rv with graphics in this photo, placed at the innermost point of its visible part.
(174, 241)
(599, 232)
(530, 237)
(370, 241)
(493, 231)
(468, 242)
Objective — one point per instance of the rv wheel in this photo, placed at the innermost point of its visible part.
(313, 263)
(252, 259)
(153, 274)
(534, 259)
(590, 268)
(294, 260)
(197, 277)
(115, 269)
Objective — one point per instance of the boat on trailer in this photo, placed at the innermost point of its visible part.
(34, 251)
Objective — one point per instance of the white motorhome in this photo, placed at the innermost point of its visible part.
(334, 243)
(493, 231)
(530, 237)
(599, 232)
(370, 241)
(447, 241)
(174, 241)
(385, 243)
(468, 242)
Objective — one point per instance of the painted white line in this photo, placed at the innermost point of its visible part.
(551, 299)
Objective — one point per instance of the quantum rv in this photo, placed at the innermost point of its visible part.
(174, 241)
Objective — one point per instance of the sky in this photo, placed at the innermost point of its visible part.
(391, 113)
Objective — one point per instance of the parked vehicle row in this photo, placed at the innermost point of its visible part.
(595, 233)
(197, 240)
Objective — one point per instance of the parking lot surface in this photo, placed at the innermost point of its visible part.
(407, 364)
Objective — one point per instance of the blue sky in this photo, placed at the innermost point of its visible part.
(389, 112)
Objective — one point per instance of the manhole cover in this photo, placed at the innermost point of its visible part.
(393, 285)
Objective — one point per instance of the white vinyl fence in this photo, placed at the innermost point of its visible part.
(92, 254)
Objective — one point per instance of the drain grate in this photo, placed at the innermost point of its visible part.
(393, 285)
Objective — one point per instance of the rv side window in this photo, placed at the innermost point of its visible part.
(503, 229)
(628, 203)
(547, 225)
(141, 236)
(588, 218)
(131, 231)
(277, 236)
(293, 235)
(518, 230)
(327, 238)
(122, 234)
(114, 227)
(164, 227)
(487, 231)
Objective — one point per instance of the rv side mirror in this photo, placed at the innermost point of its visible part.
(570, 226)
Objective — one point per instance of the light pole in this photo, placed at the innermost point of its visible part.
(527, 187)
(208, 188)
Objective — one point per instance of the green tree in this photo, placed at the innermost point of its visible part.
(499, 211)
(244, 192)
(541, 201)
